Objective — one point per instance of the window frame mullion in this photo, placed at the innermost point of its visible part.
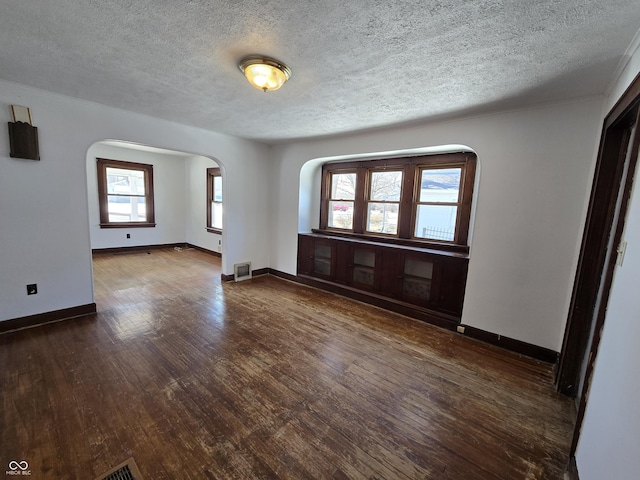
(359, 208)
(411, 168)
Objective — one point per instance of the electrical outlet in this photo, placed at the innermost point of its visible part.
(460, 328)
(32, 289)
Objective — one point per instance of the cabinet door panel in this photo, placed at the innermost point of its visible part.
(391, 274)
(452, 286)
(343, 255)
(417, 279)
(305, 255)
(323, 258)
(364, 268)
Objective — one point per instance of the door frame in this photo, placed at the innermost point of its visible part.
(593, 278)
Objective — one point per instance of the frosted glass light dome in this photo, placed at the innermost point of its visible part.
(264, 73)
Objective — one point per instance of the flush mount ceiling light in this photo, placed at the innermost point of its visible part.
(265, 73)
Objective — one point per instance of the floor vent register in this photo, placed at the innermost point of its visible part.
(125, 471)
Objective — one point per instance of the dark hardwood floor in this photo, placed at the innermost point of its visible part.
(267, 379)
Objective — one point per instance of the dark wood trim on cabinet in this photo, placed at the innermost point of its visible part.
(430, 245)
(430, 316)
(47, 317)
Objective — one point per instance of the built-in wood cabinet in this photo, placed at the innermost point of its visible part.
(424, 283)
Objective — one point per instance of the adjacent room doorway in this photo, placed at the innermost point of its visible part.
(602, 247)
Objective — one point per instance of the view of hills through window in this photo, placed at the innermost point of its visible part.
(437, 208)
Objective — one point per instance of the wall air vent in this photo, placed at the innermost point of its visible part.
(242, 271)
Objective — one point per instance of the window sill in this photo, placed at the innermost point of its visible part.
(446, 247)
(127, 225)
(214, 230)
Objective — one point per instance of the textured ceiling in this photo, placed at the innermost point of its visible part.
(356, 65)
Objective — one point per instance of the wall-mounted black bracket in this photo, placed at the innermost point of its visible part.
(23, 141)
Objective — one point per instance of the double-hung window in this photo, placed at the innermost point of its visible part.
(125, 194)
(438, 203)
(423, 199)
(383, 201)
(214, 200)
(341, 199)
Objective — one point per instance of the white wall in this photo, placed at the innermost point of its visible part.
(535, 168)
(196, 214)
(535, 173)
(44, 216)
(180, 194)
(170, 199)
(610, 437)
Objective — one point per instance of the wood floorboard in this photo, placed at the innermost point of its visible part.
(267, 379)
